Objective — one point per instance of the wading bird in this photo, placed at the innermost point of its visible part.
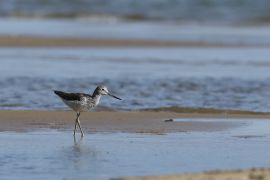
(80, 102)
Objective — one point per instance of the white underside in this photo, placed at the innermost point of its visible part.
(79, 106)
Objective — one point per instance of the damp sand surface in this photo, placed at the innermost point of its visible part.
(53, 153)
(114, 122)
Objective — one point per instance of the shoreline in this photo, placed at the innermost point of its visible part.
(191, 110)
(252, 174)
(127, 122)
(150, 122)
(41, 41)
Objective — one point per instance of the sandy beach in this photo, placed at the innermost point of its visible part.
(130, 122)
(32, 41)
(252, 174)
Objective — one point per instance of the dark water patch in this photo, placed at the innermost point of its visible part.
(199, 110)
(181, 10)
(248, 136)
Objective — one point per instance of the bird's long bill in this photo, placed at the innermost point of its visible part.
(114, 96)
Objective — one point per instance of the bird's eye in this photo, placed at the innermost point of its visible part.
(102, 89)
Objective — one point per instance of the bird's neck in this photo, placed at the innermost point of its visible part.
(96, 98)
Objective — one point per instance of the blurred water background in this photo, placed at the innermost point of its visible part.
(234, 75)
(171, 10)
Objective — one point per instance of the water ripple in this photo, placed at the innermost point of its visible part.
(224, 93)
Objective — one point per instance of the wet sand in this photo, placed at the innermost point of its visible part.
(130, 122)
(251, 174)
(152, 122)
(34, 41)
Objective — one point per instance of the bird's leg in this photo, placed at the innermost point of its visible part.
(79, 124)
(76, 121)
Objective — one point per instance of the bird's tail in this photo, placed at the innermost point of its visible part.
(59, 93)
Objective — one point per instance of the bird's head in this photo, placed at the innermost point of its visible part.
(103, 90)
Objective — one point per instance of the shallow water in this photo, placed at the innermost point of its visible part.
(222, 78)
(50, 154)
(149, 77)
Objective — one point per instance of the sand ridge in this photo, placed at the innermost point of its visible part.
(104, 121)
(251, 174)
(34, 41)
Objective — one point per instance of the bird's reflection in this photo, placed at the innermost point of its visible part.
(82, 153)
(76, 152)
(77, 144)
